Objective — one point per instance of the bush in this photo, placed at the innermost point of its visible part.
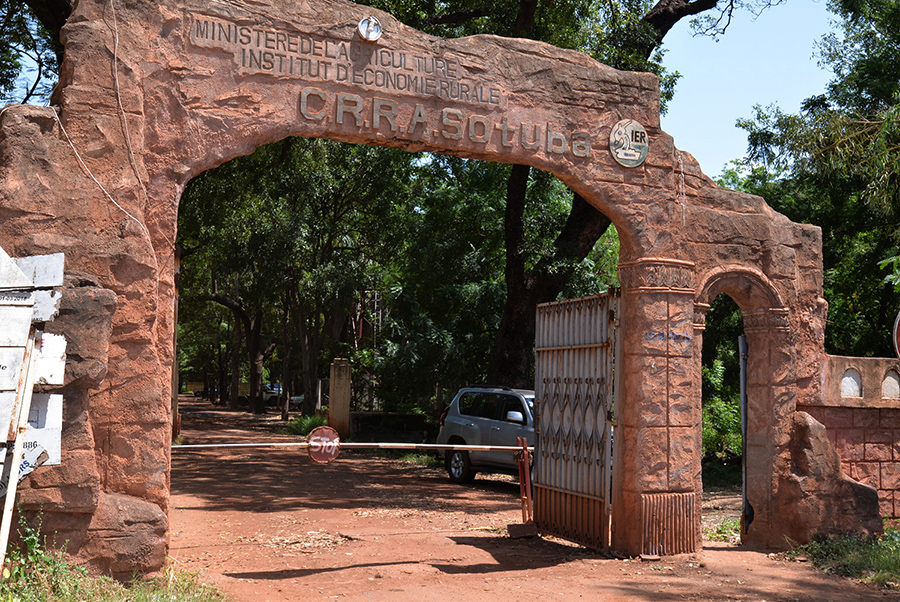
(302, 425)
(872, 559)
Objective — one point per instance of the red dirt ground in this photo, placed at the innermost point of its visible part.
(269, 525)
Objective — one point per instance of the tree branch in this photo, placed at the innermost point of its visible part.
(666, 13)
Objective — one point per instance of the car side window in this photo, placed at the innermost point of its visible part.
(511, 403)
(468, 404)
(489, 403)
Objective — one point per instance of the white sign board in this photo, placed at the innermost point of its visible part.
(51, 364)
(45, 427)
(7, 406)
(30, 460)
(10, 366)
(15, 321)
(46, 272)
(11, 277)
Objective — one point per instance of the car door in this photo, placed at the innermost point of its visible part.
(476, 412)
(504, 432)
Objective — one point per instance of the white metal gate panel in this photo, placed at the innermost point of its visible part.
(574, 377)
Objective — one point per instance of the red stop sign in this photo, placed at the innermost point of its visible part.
(324, 444)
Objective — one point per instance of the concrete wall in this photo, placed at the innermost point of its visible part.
(861, 413)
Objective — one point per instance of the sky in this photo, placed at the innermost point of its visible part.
(767, 61)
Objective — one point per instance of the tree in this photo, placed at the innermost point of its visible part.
(223, 226)
(350, 209)
(445, 291)
(836, 164)
(29, 54)
(300, 227)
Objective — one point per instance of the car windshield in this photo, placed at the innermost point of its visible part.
(530, 402)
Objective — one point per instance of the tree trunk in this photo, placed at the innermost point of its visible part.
(285, 358)
(513, 354)
(235, 365)
(252, 326)
(310, 344)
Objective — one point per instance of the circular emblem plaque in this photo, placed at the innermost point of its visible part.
(628, 143)
(324, 444)
(369, 28)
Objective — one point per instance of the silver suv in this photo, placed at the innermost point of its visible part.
(485, 415)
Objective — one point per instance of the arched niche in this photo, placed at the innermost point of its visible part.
(851, 383)
(890, 386)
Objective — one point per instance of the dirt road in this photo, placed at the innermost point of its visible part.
(268, 525)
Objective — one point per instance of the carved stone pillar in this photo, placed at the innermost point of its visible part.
(771, 400)
(658, 446)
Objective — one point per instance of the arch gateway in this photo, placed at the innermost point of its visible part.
(153, 93)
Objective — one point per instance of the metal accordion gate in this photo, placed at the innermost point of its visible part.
(574, 378)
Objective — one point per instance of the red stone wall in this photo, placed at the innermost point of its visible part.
(865, 429)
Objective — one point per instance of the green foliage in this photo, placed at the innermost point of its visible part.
(727, 530)
(295, 234)
(622, 38)
(836, 164)
(598, 272)
(423, 459)
(721, 415)
(445, 294)
(722, 474)
(721, 378)
(874, 560)
(35, 574)
(428, 460)
(302, 425)
(29, 65)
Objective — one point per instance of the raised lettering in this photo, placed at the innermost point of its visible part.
(506, 132)
(455, 123)
(418, 117)
(384, 108)
(536, 143)
(476, 123)
(304, 103)
(581, 144)
(556, 142)
(349, 103)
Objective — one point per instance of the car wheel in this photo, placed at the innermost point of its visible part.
(459, 467)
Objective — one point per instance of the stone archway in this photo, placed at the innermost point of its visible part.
(768, 335)
(152, 94)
